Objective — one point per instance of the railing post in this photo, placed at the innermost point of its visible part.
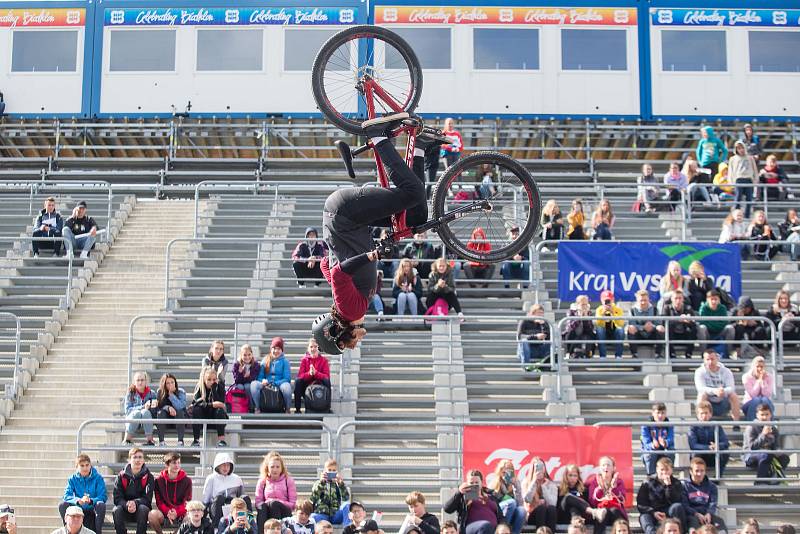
(108, 215)
(70, 256)
(167, 306)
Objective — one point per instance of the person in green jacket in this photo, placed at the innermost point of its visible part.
(711, 151)
(330, 496)
(717, 330)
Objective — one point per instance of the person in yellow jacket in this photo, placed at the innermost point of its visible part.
(722, 184)
(609, 328)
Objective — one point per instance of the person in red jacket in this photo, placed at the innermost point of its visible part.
(173, 489)
(452, 151)
(479, 243)
(314, 368)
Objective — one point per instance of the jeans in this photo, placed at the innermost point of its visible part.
(700, 193)
(54, 245)
(650, 524)
(339, 518)
(749, 407)
(407, 300)
(602, 233)
(762, 463)
(286, 390)
(744, 194)
(602, 335)
(532, 351)
(649, 459)
(515, 271)
(84, 243)
(514, 514)
(793, 250)
(121, 515)
(479, 527)
(93, 518)
(727, 334)
(377, 303)
(643, 335)
(164, 414)
(145, 415)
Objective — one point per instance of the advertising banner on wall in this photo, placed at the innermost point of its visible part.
(230, 16)
(556, 446)
(44, 17)
(589, 267)
(725, 17)
(573, 16)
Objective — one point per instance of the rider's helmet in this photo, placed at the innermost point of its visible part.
(327, 330)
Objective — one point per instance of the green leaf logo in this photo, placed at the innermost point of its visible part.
(673, 251)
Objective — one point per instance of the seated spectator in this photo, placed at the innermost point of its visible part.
(476, 270)
(764, 437)
(648, 191)
(700, 498)
(449, 527)
(750, 526)
(717, 330)
(759, 230)
(675, 183)
(139, 402)
(774, 178)
(441, 285)
(388, 262)
(552, 221)
(603, 221)
(209, 403)
(723, 190)
(330, 496)
(502, 528)
(759, 386)
(683, 329)
(273, 526)
(173, 489)
(275, 371)
(307, 257)
(420, 251)
(508, 492)
(529, 332)
(133, 494)
(376, 304)
(356, 517)
(695, 176)
(324, 527)
(301, 521)
(714, 384)
(8, 522)
(475, 505)
(406, 289)
(580, 333)
(171, 405)
(80, 230)
(314, 369)
(519, 266)
(245, 372)
(86, 489)
(647, 331)
(709, 439)
(672, 280)
(276, 492)
(609, 328)
(418, 516)
(621, 526)
(73, 517)
(750, 329)
(573, 498)
(541, 496)
(790, 231)
(222, 486)
(673, 526)
(239, 521)
(698, 286)
(216, 360)
(48, 224)
(575, 221)
(196, 520)
(743, 171)
(781, 309)
(785, 529)
(660, 497)
(734, 228)
(607, 492)
(751, 141)
(656, 440)
(577, 525)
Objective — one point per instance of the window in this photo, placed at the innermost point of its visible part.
(301, 46)
(45, 51)
(693, 51)
(432, 46)
(229, 50)
(142, 50)
(594, 50)
(774, 51)
(502, 48)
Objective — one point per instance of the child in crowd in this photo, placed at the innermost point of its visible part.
(657, 439)
(301, 522)
(709, 438)
(222, 486)
(330, 496)
(238, 521)
(216, 360)
(700, 498)
(196, 520)
(764, 437)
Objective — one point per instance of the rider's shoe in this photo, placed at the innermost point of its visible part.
(431, 137)
(380, 126)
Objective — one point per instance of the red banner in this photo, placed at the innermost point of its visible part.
(577, 16)
(33, 18)
(558, 446)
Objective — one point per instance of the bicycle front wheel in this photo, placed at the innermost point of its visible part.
(489, 207)
(365, 67)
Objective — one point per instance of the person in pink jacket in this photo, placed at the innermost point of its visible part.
(607, 493)
(759, 387)
(276, 492)
(314, 368)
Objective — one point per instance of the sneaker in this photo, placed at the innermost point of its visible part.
(85, 254)
(36, 255)
(150, 443)
(380, 126)
(127, 442)
(431, 137)
(195, 443)
(162, 443)
(180, 443)
(461, 318)
(222, 443)
(599, 514)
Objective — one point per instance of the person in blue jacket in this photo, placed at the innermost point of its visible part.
(657, 439)
(711, 151)
(86, 488)
(703, 438)
(700, 498)
(275, 370)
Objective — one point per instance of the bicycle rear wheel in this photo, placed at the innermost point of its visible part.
(492, 192)
(361, 60)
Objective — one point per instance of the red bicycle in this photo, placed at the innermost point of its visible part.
(365, 71)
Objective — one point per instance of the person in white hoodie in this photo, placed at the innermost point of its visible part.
(222, 486)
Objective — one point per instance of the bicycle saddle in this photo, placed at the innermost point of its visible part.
(347, 156)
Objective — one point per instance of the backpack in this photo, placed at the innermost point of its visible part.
(271, 400)
(237, 400)
(317, 398)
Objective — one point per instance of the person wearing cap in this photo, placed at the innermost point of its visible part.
(74, 522)
(275, 371)
(518, 267)
(357, 515)
(80, 230)
(609, 328)
(86, 489)
(371, 527)
(49, 223)
(8, 522)
(307, 256)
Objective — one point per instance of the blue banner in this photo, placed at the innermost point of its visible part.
(725, 17)
(589, 267)
(222, 16)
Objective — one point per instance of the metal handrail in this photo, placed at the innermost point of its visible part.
(70, 255)
(17, 356)
(755, 186)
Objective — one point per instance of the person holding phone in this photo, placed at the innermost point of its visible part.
(508, 492)
(607, 326)
(478, 511)
(8, 521)
(418, 517)
(330, 495)
(540, 496)
(140, 403)
(239, 521)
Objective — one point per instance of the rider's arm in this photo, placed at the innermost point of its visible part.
(351, 265)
